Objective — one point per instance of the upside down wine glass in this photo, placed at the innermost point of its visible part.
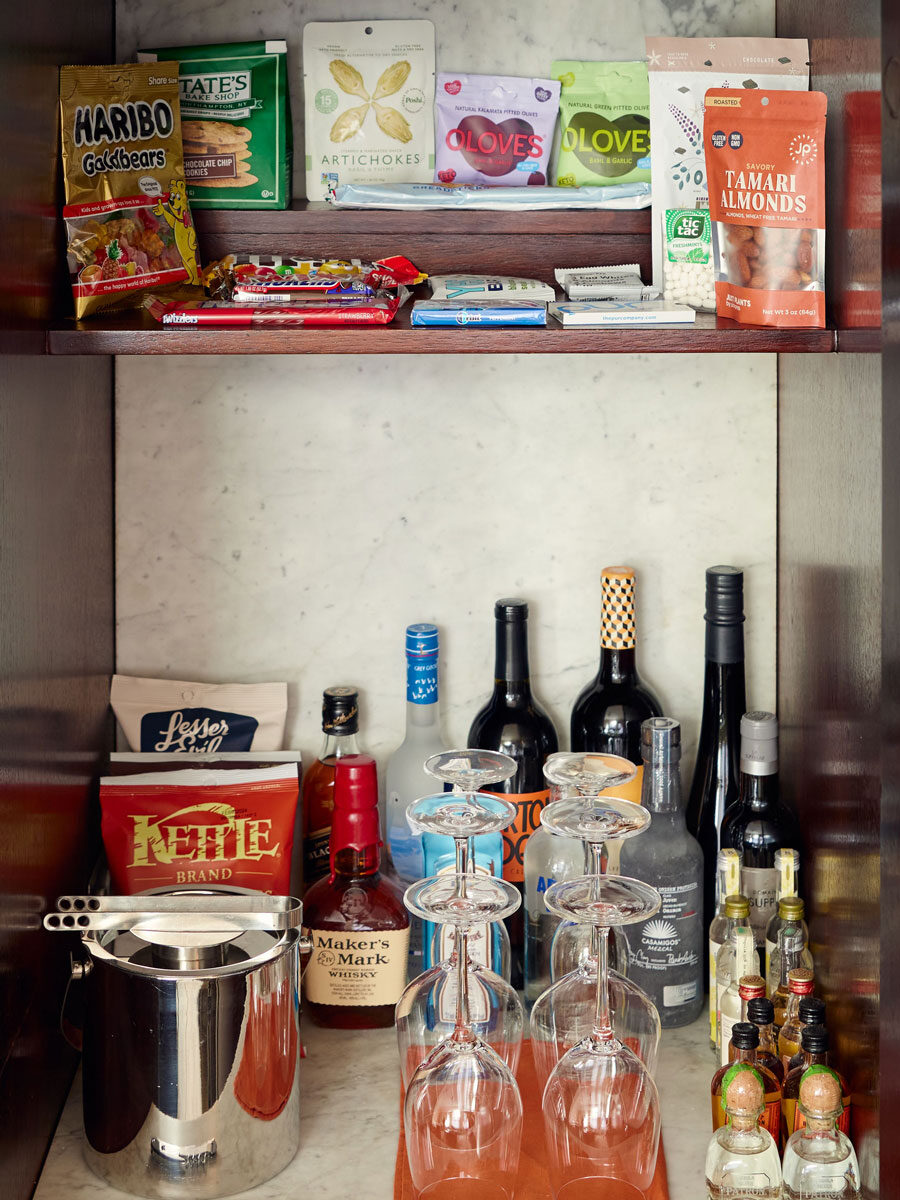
(563, 1014)
(426, 1012)
(600, 1104)
(463, 1112)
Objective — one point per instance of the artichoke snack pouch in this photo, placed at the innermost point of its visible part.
(127, 219)
(369, 103)
(604, 112)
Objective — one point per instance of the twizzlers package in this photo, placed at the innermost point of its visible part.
(765, 162)
(494, 129)
(200, 826)
(128, 224)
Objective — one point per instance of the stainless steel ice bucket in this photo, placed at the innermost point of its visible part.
(191, 1039)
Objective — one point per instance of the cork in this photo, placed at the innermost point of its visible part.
(801, 980)
(820, 1092)
(742, 1092)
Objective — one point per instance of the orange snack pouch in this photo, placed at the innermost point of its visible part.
(765, 166)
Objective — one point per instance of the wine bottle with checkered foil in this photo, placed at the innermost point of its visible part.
(609, 711)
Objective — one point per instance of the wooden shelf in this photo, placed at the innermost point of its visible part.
(137, 333)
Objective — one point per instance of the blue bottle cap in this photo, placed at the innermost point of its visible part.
(421, 640)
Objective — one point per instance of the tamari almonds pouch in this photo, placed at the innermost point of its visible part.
(765, 164)
(236, 122)
(128, 224)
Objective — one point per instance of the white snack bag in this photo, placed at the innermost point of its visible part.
(369, 103)
(173, 715)
(489, 287)
(681, 71)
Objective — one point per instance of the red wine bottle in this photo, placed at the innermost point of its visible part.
(514, 723)
(716, 772)
(608, 713)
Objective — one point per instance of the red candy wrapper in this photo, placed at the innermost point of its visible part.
(321, 310)
(274, 278)
(200, 826)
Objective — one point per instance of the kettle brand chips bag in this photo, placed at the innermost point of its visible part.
(128, 224)
(235, 121)
(605, 123)
(369, 103)
(200, 826)
(765, 162)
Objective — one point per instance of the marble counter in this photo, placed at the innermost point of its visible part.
(349, 1089)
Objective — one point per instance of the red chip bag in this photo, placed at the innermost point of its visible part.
(199, 827)
(765, 167)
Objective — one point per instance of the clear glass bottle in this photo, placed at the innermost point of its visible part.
(787, 864)
(744, 1047)
(789, 960)
(405, 779)
(758, 824)
(742, 965)
(792, 936)
(800, 983)
(819, 1160)
(742, 1160)
(728, 883)
(737, 912)
(340, 723)
(355, 918)
(666, 953)
(548, 859)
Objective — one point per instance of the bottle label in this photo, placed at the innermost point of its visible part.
(515, 837)
(726, 1024)
(665, 942)
(316, 863)
(675, 994)
(760, 886)
(356, 968)
(617, 609)
(770, 950)
(422, 679)
(714, 948)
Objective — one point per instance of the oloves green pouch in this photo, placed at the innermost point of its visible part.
(604, 110)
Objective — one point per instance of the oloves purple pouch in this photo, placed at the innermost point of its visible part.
(494, 129)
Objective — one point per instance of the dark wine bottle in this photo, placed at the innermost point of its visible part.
(514, 723)
(758, 824)
(716, 772)
(608, 713)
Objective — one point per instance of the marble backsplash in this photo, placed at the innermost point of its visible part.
(508, 37)
(286, 517)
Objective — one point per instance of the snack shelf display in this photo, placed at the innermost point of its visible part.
(137, 333)
(529, 244)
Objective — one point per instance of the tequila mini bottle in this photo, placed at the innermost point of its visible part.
(742, 1162)
(819, 1161)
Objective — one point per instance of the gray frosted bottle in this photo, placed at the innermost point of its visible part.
(666, 952)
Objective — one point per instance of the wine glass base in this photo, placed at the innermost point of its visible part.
(462, 900)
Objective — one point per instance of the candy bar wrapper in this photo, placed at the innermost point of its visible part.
(478, 312)
(621, 312)
(489, 287)
(321, 310)
(276, 278)
(620, 197)
(604, 283)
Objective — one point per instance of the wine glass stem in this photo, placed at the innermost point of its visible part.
(597, 858)
(602, 1025)
(462, 980)
(462, 863)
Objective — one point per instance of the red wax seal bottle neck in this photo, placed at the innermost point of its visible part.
(355, 817)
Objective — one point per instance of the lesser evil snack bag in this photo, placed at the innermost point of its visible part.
(128, 224)
(494, 129)
(172, 715)
(765, 162)
(369, 103)
(604, 123)
(681, 71)
(200, 826)
(235, 122)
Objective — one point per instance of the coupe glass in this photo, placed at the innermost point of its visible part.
(470, 770)
(600, 1105)
(463, 1112)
